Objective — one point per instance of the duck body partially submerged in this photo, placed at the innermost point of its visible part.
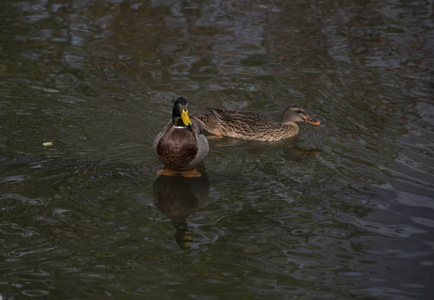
(254, 126)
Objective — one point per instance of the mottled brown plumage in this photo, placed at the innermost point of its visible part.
(181, 144)
(254, 126)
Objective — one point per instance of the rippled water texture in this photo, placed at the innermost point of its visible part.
(343, 211)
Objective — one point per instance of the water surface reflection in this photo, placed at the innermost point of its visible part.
(177, 197)
(81, 219)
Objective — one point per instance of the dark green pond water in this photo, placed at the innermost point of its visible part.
(344, 211)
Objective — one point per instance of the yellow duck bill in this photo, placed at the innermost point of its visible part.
(185, 118)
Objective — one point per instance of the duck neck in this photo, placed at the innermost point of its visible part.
(290, 129)
(177, 121)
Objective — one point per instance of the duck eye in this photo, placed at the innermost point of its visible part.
(299, 111)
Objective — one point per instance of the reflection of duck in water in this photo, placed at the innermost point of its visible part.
(181, 145)
(177, 197)
(291, 150)
(254, 126)
(296, 153)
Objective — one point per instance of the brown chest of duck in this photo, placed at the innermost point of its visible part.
(181, 145)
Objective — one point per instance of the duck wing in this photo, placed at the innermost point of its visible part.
(222, 115)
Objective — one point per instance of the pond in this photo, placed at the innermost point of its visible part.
(344, 210)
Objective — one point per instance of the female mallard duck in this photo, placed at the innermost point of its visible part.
(254, 126)
(181, 144)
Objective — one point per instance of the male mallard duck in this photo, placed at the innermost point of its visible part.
(181, 144)
(254, 126)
